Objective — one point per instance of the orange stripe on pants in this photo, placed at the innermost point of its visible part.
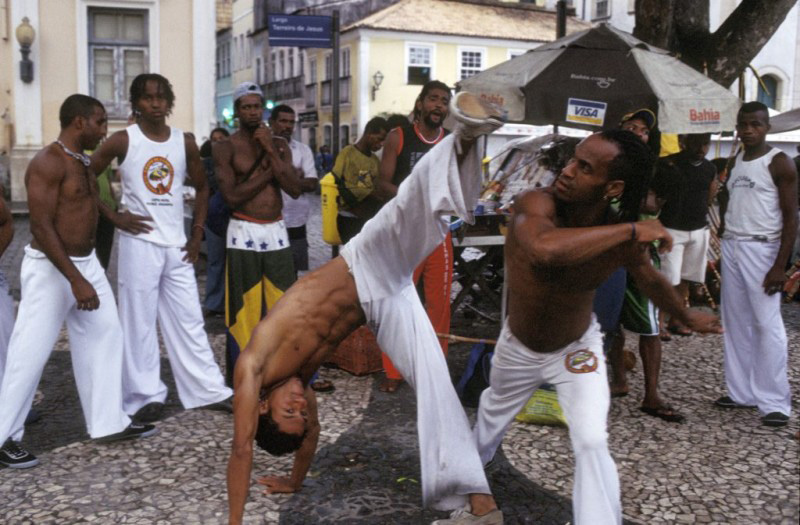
(437, 278)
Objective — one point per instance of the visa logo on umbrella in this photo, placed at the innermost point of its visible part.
(586, 111)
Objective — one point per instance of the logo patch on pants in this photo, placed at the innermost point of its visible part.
(581, 361)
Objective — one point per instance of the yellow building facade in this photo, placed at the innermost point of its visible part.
(96, 47)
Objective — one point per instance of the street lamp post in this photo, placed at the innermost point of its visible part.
(25, 36)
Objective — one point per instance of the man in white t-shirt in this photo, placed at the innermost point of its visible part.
(157, 285)
(295, 211)
(758, 231)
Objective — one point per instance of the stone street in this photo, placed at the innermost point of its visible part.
(718, 467)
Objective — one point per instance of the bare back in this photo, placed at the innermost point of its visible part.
(62, 191)
(549, 306)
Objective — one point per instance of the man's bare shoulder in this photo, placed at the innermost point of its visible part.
(540, 201)
(782, 165)
(49, 161)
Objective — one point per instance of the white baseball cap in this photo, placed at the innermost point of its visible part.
(247, 88)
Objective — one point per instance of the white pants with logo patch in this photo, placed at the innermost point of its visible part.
(6, 321)
(95, 343)
(578, 371)
(158, 288)
(756, 347)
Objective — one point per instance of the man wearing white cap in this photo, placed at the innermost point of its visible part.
(252, 168)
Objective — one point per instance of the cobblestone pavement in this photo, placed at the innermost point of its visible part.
(719, 467)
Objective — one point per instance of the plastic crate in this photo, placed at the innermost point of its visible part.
(358, 353)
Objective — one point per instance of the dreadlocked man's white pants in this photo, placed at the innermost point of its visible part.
(578, 372)
(95, 341)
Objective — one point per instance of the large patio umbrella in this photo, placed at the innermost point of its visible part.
(592, 78)
(786, 121)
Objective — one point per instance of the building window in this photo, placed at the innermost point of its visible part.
(328, 67)
(327, 135)
(344, 62)
(312, 70)
(419, 58)
(602, 9)
(768, 97)
(344, 136)
(118, 50)
(281, 59)
(273, 66)
(290, 64)
(259, 75)
(470, 62)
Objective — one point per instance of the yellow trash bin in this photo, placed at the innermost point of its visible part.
(330, 209)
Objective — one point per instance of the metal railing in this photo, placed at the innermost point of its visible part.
(282, 90)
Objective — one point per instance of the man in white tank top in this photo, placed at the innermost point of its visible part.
(155, 269)
(758, 231)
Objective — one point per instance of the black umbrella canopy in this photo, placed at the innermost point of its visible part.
(591, 79)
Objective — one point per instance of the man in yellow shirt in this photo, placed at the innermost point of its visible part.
(356, 169)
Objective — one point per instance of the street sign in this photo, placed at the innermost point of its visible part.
(299, 30)
(308, 119)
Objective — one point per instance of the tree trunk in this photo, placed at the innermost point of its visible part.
(681, 26)
(739, 39)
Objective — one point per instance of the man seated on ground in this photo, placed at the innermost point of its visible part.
(562, 243)
(371, 280)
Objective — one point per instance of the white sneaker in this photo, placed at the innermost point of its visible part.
(465, 517)
(474, 116)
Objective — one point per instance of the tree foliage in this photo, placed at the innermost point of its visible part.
(682, 26)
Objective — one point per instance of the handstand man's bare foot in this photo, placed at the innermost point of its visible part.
(390, 385)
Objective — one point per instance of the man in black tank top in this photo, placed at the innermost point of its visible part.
(403, 148)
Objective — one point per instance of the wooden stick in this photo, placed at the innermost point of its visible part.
(460, 339)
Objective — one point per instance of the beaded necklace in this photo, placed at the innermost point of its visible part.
(82, 158)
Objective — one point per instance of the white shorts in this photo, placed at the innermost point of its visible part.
(689, 256)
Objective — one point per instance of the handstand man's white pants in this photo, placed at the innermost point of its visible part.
(382, 259)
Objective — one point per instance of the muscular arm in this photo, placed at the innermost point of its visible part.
(784, 174)
(245, 421)
(114, 147)
(235, 194)
(6, 224)
(43, 182)
(194, 167)
(384, 189)
(546, 244)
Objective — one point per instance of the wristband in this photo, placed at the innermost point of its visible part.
(633, 231)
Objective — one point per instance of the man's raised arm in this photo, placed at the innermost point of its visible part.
(549, 245)
(43, 181)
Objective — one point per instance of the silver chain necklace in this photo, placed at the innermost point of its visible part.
(82, 158)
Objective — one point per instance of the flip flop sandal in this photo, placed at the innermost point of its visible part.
(665, 412)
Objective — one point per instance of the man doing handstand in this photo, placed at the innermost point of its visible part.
(372, 280)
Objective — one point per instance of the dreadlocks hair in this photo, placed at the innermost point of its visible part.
(633, 166)
(77, 105)
(427, 88)
(139, 85)
(270, 438)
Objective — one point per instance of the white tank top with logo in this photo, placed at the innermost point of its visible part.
(152, 177)
(753, 208)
